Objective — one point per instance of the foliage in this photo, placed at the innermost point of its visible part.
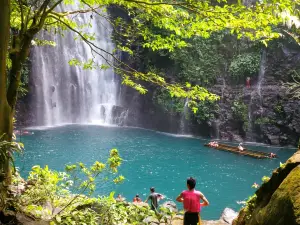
(278, 109)
(262, 121)
(202, 61)
(244, 65)
(282, 165)
(265, 179)
(207, 111)
(176, 21)
(50, 195)
(240, 112)
(7, 149)
(250, 205)
(293, 88)
(169, 104)
(56, 188)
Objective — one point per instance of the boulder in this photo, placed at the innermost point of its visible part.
(277, 202)
(170, 205)
(228, 215)
(284, 205)
(24, 220)
(273, 139)
(151, 220)
(17, 189)
(236, 137)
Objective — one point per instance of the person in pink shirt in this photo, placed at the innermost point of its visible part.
(191, 200)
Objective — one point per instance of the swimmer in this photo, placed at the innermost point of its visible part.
(137, 199)
(120, 198)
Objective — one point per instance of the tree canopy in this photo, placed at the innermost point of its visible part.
(174, 22)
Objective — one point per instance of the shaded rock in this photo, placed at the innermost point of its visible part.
(151, 220)
(17, 189)
(277, 201)
(8, 217)
(236, 137)
(228, 215)
(48, 206)
(284, 205)
(22, 219)
(170, 205)
(273, 139)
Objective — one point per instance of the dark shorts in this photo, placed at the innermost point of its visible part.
(191, 218)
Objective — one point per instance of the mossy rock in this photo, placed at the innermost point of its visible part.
(278, 200)
(284, 206)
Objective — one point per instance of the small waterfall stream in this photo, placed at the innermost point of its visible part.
(257, 92)
(218, 121)
(183, 120)
(68, 94)
(261, 74)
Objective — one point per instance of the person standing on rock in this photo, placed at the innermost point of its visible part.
(154, 197)
(191, 200)
(248, 82)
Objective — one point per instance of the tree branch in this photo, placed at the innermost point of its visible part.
(22, 19)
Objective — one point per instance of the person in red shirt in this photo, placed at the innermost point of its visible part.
(248, 82)
(191, 200)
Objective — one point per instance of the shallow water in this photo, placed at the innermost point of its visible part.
(153, 159)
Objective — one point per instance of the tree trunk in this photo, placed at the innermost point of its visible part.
(4, 40)
(5, 109)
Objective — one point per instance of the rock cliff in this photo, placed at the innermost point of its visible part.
(276, 202)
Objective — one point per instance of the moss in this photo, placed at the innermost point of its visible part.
(278, 200)
(284, 206)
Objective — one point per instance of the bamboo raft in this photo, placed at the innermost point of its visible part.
(246, 152)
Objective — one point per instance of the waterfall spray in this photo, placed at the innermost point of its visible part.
(67, 94)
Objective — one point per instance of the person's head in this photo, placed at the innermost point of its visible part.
(119, 195)
(152, 189)
(137, 196)
(190, 183)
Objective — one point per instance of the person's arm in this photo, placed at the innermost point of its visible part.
(205, 201)
(147, 199)
(179, 198)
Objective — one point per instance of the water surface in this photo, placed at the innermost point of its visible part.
(153, 159)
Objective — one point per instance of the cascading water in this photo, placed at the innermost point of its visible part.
(68, 94)
(183, 117)
(254, 93)
(218, 121)
(261, 74)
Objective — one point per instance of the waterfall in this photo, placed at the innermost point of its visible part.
(183, 117)
(255, 92)
(261, 73)
(68, 94)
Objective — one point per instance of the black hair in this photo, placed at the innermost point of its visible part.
(137, 196)
(191, 182)
(152, 189)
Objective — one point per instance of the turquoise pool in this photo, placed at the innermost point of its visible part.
(153, 159)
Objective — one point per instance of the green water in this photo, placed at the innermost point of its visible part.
(153, 159)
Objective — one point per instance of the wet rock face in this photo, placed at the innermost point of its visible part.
(277, 202)
(272, 117)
